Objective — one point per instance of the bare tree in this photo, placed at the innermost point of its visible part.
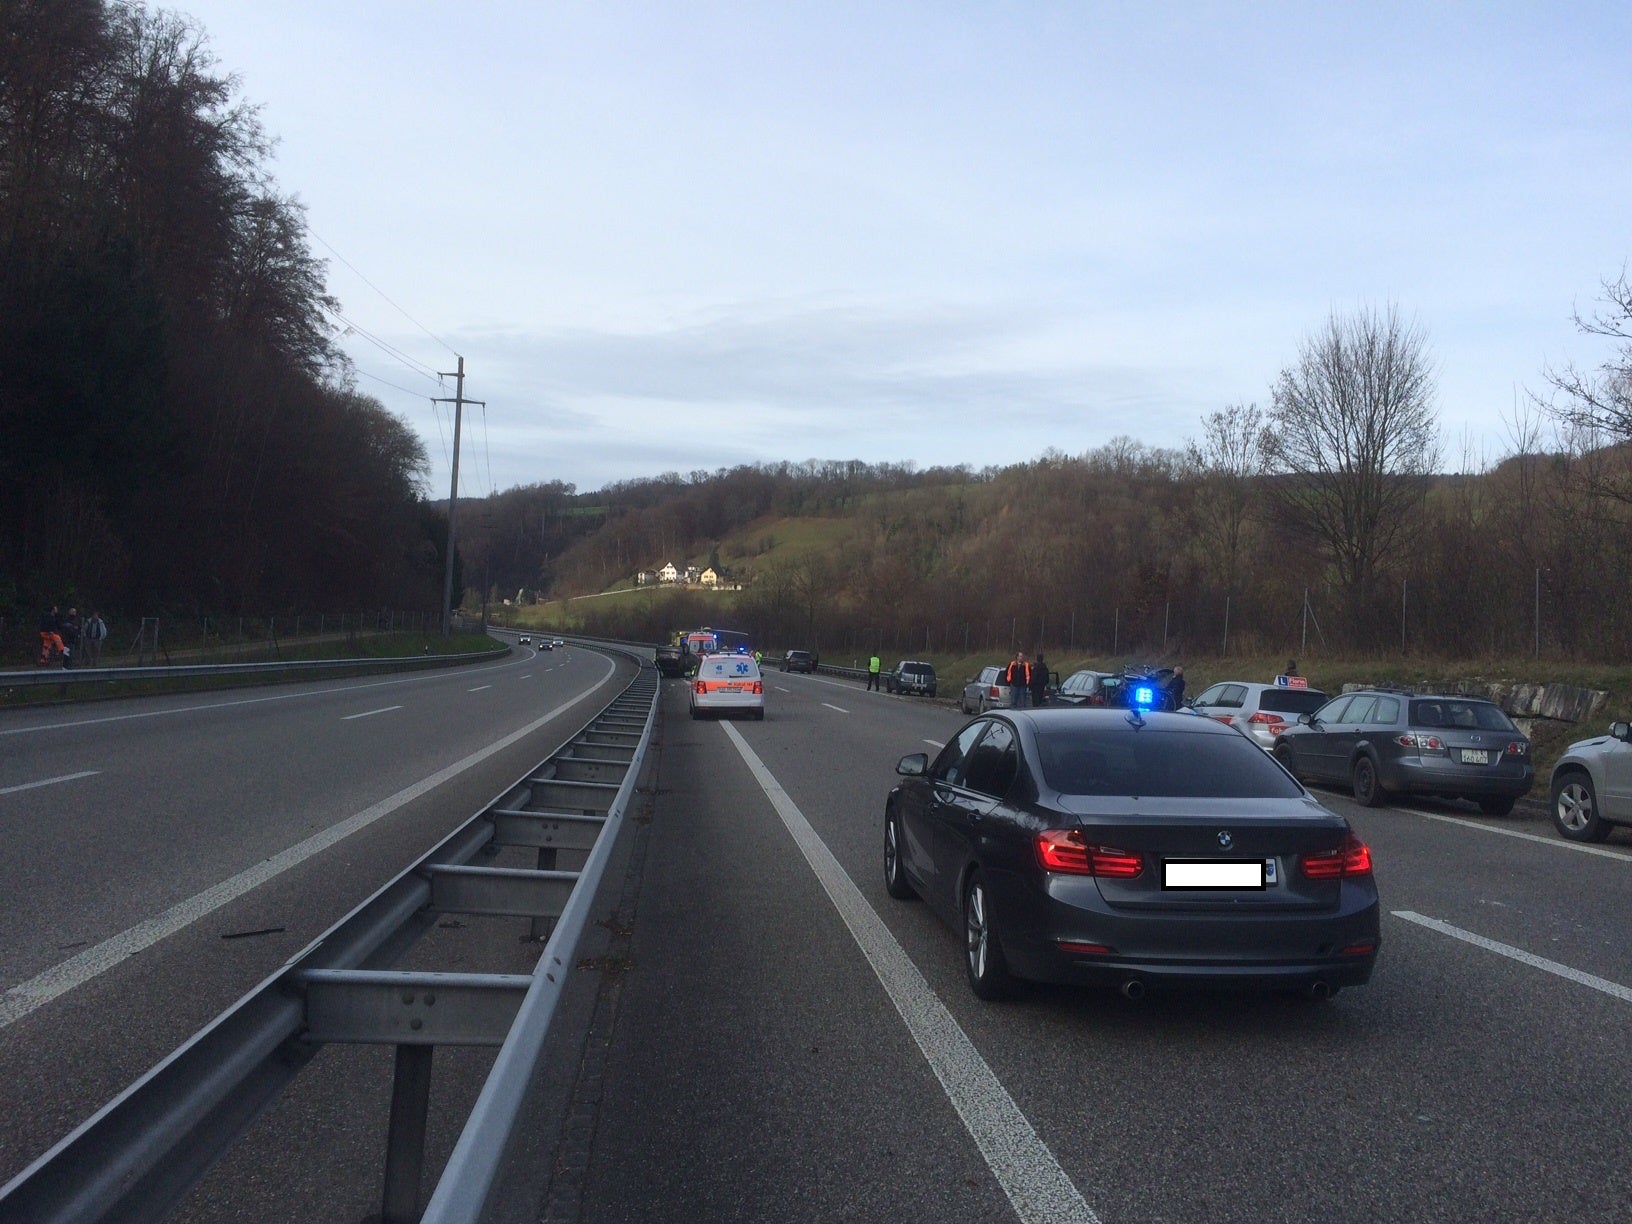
(1594, 410)
(1353, 432)
(1228, 461)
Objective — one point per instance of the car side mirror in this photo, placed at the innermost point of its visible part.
(1621, 731)
(1307, 720)
(914, 766)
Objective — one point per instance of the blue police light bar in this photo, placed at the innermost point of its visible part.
(1144, 696)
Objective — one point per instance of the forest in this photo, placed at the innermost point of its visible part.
(181, 433)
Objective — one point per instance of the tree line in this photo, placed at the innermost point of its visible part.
(181, 432)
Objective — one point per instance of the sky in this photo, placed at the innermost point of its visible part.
(686, 236)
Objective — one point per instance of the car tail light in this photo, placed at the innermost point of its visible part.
(993, 692)
(1082, 949)
(1068, 851)
(1518, 748)
(759, 687)
(699, 686)
(1421, 741)
(1359, 949)
(1354, 859)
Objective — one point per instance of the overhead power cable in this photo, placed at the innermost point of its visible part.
(380, 291)
(418, 367)
(389, 383)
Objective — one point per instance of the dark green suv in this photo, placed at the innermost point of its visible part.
(911, 676)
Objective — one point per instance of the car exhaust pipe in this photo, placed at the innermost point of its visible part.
(1133, 989)
(1320, 990)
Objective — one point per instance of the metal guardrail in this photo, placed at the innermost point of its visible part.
(43, 676)
(139, 1155)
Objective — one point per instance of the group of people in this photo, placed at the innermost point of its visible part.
(1027, 680)
(70, 641)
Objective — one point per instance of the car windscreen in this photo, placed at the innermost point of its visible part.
(1163, 763)
(1449, 712)
(1292, 701)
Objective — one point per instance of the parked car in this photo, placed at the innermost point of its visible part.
(1263, 711)
(1382, 742)
(911, 676)
(799, 661)
(987, 691)
(1592, 785)
(1085, 846)
(728, 684)
(1083, 688)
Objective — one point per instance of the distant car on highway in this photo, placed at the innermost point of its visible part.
(1128, 849)
(987, 691)
(728, 684)
(524, 640)
(1263, 711)
(1381, 743)
(545, 643)
(1591, 785)
(911, 676)
(799, 661)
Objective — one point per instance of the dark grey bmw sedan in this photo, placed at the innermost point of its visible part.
(1130, 849)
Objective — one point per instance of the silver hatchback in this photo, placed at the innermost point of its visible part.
(1592, 785)
(1263, 711)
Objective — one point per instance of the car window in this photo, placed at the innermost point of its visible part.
(1387, 712)
(1359, 710)
(1291, 700)
(950, 766)
(1234, 696)
(1333, 710)
(1169, 764)
(988, 675)
(1453, 712)
(994, 762)
(1210, 696)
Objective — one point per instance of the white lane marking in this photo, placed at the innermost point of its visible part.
(935, 743)
(84, 773)
(780, 689)
(831, 706)
(1038, 1188)
(1559, 843)
(1623, 993)
(371, 713)
(39, 990)
(479, 688)
(525, 676)
(416, 678)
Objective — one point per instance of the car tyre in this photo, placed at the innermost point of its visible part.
(895, 874)
(983, 959)
(1496, 805)
(1283, 754)
(1368, 791)
(759, 715)
(1575, 808)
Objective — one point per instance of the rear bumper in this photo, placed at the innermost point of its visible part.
(1412, 776)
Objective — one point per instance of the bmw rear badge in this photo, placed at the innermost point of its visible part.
(1225, 840)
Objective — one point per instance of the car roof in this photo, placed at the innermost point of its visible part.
(1054, 718)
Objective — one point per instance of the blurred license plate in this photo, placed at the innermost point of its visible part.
(1475, 756)
(735, 688)
(1216, 873)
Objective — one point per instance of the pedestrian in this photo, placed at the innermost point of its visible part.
(93, 635)
(874, 666)
(1292, 667)
(51, 637)
(1039, 681)
(70, 637)
(1175, 688)
(1018, 677)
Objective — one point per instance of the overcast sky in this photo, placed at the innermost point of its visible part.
(671, 236)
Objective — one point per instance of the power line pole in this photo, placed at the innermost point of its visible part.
(458, 401)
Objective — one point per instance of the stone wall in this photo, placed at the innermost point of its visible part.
(1561, 702)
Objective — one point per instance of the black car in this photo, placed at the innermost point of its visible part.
(1110, 847)
(799, 661)
(1382, 743)
(911, 676)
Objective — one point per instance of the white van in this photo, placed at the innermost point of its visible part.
(728, 684)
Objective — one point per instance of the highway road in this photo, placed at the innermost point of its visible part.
(164, 855)
(787, 1042)
(758, 1032)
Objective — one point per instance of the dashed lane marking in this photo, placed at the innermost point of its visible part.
(831, 706)
(1037, 1187)
(1519, 954)
(84, 773)
(371, 713)
(479, 688)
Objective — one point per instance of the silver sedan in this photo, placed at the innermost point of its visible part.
(1592, 785)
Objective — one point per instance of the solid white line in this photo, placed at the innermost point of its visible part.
(936, 743)
(371, 713)
(1037, 1187)
(479, 688)
(780, 689)
(84, 773)
(77, 970)
(1519, 954)
(831, 706)
(1555, 842)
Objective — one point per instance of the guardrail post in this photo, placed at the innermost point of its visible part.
(405, 1141)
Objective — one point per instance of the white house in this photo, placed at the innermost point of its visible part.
(668, 573)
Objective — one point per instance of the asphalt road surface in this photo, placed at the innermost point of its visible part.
(789, 1043)
(758, 1032)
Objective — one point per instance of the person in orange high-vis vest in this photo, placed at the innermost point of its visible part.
(1018, 678)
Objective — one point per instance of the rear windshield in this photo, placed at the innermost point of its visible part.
(800, 655)
(1450, 712)
(917, 669)
(1160, 764)
(1292, 701)
(729, 668)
